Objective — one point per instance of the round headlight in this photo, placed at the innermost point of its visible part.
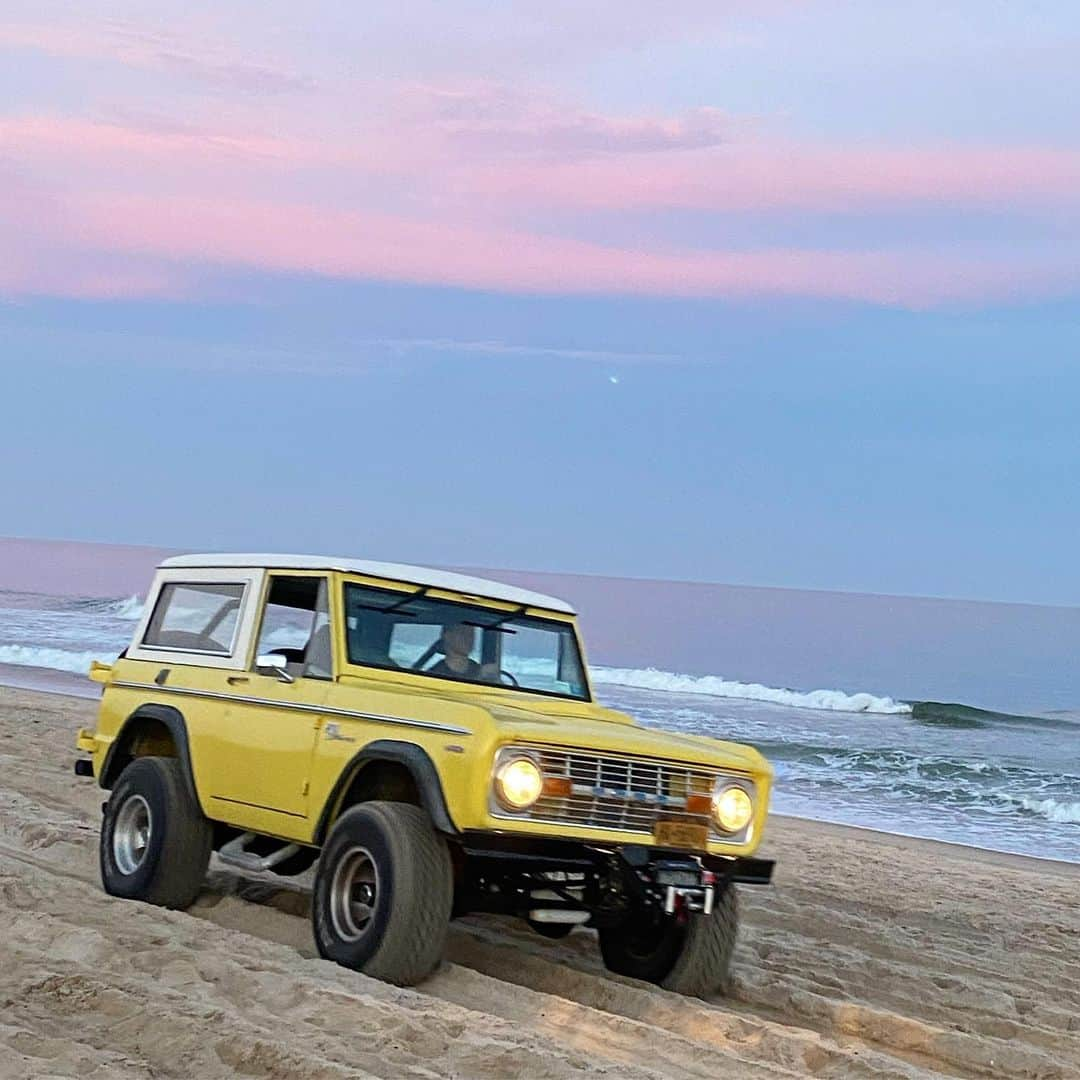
(518, 783)
(732, 808)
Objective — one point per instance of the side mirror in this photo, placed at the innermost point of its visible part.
(273, 663)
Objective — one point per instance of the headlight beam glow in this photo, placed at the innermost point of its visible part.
(518, 782)
(732, 807)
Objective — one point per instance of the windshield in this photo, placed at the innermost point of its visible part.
(465, 642)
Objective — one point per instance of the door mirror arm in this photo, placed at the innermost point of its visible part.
(273, 663)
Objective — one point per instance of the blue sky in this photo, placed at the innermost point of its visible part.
(786, 297)
(808, 445)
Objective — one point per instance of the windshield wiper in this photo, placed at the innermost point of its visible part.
(498, 623)
(397, 606)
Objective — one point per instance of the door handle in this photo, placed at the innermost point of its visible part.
(235, 680)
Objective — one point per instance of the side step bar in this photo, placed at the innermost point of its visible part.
(235, 853)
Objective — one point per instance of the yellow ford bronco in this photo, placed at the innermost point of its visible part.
(430, 743)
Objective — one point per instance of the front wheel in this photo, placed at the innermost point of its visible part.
(691, 957)
(155, 842)
(383, 893)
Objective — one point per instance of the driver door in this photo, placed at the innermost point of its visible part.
(273, 719)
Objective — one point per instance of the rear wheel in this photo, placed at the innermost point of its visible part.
(691, 957)
(155, 842)
(383, 893)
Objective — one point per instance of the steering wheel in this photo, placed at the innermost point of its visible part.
(504, 674)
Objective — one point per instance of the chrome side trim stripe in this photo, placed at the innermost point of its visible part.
(256, 806)
(294, 706)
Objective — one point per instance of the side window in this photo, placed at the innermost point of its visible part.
(296, 625)
(196, 617)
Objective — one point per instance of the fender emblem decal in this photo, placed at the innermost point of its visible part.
(333, 733)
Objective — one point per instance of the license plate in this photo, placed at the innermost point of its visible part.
(681, 879)
(681, 834)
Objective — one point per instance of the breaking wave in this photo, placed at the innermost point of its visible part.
(716, 686)
(1064, 813)
(129, 608)
(44, 657)
(950, 714)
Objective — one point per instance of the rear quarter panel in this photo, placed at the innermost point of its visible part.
(119, 702)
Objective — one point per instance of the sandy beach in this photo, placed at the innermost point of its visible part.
(872, 956)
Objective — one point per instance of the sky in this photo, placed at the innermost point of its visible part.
(783, 293)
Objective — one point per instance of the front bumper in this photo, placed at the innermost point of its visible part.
(543, 854)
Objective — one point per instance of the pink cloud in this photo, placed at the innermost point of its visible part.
(153, 49)
(86, 274)
(452, 187)
(582, 162)
(488, 118)
(223, 45)
(429, 150)
(492, 141)
(275, 237)
(771, 177)
(144, 140)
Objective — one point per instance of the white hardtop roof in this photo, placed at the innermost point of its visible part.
(414, 575)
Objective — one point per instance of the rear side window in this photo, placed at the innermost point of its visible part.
(196, 617)
(296, 625)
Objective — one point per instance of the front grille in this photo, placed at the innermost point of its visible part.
(611, 791)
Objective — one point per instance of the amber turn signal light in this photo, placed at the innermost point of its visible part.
(559, 787)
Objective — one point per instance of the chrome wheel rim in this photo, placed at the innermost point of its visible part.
(354, 891)
(131, 834)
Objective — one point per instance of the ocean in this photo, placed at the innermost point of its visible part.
(966, 729)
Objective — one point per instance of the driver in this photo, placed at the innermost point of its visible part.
(456, 643)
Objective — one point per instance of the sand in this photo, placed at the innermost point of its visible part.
(873, 956)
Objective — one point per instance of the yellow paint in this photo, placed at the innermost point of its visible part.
(272, 769)
(99, 672)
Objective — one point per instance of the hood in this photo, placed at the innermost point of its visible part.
(559, 722)
(599, 729)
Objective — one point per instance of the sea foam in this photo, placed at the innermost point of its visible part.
(1064, 813)
(717, 686)
(44, 657)
(130, 608)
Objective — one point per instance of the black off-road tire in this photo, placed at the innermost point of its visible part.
(172, 865)
(400, 936)
(692, 957)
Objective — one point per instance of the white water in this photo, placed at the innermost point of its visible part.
(717, 686)
(65, 635)
(57, 659)
(130, 608)
(1064, 813)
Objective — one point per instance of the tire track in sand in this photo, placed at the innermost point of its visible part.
(843, 968)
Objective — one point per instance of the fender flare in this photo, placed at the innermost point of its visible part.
(173, 720)
(420, 767)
